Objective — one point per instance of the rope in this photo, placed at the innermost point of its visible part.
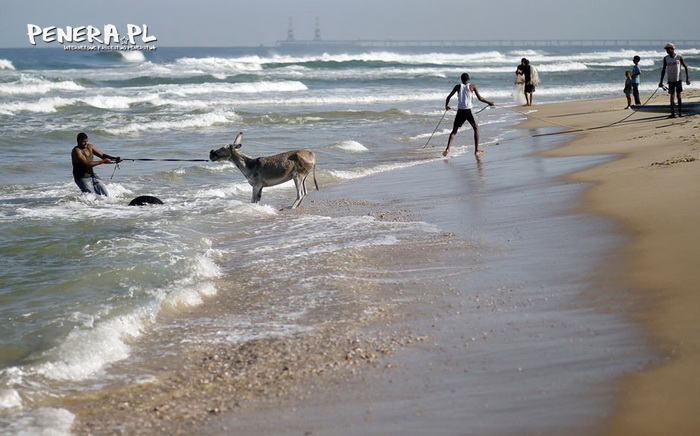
(436, 127)
(117, 167)
(634, 111)
(167, 160)
(443, 117)
(532, 116)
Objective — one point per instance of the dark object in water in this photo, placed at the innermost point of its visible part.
(145, 200)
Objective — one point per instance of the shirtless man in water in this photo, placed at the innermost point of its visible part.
(83, 164)
(466, 92)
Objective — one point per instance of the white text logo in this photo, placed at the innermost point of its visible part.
(89, 34)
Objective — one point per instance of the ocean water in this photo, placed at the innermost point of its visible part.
(83, 277)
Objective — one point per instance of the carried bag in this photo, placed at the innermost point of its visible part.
(534, 76)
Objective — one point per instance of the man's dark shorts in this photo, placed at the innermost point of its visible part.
(675, 87)
(462, 116)
(529, 88)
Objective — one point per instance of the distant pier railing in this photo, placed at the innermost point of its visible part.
(496, 43)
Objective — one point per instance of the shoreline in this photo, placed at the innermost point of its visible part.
(651, 190)
(403, 369)
(413, 392)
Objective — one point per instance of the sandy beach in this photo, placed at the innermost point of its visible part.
(652, 191)
(595, 277)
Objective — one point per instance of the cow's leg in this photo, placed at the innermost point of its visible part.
(303, 184)
(257, 194)
(299, 183)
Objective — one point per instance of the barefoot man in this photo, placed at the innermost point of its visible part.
(466, 92)
(673, 62)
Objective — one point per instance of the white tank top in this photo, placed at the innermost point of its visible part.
(673, 64)
(466, 97)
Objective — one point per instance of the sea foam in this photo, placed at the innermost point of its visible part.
(6, 65)
(27, 84)
(352, 146)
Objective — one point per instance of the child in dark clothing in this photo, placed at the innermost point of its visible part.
(628, 88)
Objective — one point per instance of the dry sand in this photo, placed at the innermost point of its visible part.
(653, 189)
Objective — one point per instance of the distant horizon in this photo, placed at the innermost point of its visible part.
(537, 42)
(477, 40)
(426, 43)
(264, 23)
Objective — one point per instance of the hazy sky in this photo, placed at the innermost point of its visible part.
(256, 22)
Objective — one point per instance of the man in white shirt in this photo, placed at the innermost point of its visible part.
(466, 91)
(673, 62)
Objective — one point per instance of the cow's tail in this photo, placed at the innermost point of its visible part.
(315, 182)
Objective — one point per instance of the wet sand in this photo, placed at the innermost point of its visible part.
(523, 313)
(653, 192)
